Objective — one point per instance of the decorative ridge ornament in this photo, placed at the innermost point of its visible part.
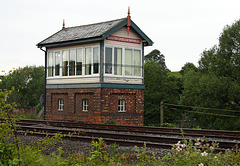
(128, 20)
(63, 24)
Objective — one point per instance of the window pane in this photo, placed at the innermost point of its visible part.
(137, 63)
(117, 61)
(79, 61)
(121, 105)
(128, 62)
(57, 63)
(50, 64)
(88, 60)
(95, 60)
(85, 104)
(72, 59)
(60, 104)
(108, 60)
(65, 63)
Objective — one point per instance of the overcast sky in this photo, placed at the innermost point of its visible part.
(180, 29)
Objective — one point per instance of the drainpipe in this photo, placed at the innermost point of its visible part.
(45, 83)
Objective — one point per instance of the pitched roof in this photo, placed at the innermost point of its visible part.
(90, 32)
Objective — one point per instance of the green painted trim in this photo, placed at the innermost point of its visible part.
(114, 29)
(97, 85)
(141, 33)
(143, 63)
(125, 86)
(70, 42)
(101, 61)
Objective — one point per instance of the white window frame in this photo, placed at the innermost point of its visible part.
(60, 67)
(121, 105)
(83, 71)
(85, 105)
(105, 60)
(141, 65)
(92, 64)
(53, 59)
(74, 64)
(60, 104)
(83, 62)
(62, 62)
(123, 61)
(98, 60)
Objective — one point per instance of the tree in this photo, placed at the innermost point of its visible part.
(28, 83)
(159, 86)
(216, 83)
(157, 56)
(211, 91)
(224, 59)
(187, 67)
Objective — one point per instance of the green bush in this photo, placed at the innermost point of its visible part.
(199, 153)
(185, 153)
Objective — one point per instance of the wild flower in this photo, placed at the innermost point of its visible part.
(197, 144)
(178, 149)
(183, 145)
(197, 139)
(201, 164)
(204, 154)
(178, 144)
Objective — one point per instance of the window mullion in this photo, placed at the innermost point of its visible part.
(113, 65)
(91, 61)
(61, 59)
(84, 61)
(123, 63)
(53, 63)
(76, 63)
(68, 74)
(132, 65)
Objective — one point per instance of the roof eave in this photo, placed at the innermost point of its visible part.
(149, 42)
(114, 29)
(57, 44)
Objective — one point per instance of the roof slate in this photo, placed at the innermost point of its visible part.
(82, 32)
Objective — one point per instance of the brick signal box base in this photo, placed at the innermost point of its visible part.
(103, 105)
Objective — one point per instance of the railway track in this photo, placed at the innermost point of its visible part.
(219, 134)
(155, 137)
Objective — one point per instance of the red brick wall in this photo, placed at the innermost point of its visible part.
(103, 105)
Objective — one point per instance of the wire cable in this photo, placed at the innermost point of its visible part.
(216, 109)
(197, 112)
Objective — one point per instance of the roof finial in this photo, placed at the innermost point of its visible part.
(63, 24)
(128, 20)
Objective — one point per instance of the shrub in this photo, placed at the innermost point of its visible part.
(199, 153)
(185, 153)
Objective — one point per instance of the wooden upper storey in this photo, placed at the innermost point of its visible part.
(103, 40)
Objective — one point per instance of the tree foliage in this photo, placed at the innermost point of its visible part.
(216, 83)
(159, 86)
(157, 56)
(187, 67)
(28, 83)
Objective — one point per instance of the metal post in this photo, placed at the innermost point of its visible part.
(45, 84)
(161, 113)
